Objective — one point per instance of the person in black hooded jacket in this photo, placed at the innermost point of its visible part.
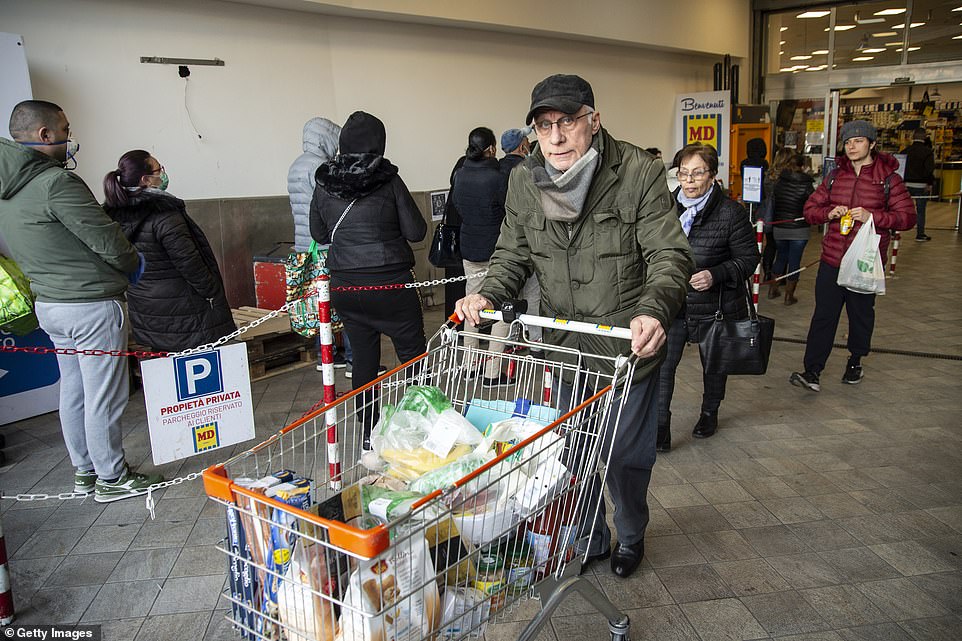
(363, 209)
(723, 244)
(180, 301)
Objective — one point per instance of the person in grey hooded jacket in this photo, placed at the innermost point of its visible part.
(320, 145)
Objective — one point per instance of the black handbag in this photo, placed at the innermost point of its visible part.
(446, 245)
(735, 346)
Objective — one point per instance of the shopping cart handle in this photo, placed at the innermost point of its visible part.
(580, 327)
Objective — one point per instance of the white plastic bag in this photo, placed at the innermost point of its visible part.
(861, 270)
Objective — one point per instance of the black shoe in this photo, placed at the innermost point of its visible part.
(922, 238)
(853, 375)
(626, 558)
(808, 380)
(497, 381)
(706, 425)
(601, 556)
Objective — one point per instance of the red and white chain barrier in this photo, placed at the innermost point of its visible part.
(6, 593)
(327, 373)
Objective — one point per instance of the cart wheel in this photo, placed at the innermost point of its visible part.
(619, 629)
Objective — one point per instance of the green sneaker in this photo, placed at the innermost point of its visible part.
(83, 482)
(129, 484)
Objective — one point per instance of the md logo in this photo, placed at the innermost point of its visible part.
(198, 375)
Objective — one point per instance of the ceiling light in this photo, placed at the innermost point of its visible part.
(889, 12)
(816, 14)
(957, 9)
(784, 29)
(860, 20)
(863, 58)
(912, 25)
(872, 50)
(884, 34)
(801, 58)
(958, 37)
(893, 44)
(820, 52)
(844, 27)
(781, 53)
(781, 42)
(910, 48)
(818, 68)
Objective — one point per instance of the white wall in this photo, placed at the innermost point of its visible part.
(430, 85)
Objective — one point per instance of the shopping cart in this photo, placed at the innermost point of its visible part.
(350, 556)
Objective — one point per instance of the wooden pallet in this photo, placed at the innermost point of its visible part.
(272, 348)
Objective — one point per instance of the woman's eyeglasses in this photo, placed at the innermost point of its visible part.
(698, 174)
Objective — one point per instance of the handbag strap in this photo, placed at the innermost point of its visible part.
(752, 312)
(341, 219)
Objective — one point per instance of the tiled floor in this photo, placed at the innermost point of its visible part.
(812, 517)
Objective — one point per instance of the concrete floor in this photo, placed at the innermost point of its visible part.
(816, 517)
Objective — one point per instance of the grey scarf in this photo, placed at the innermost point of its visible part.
(563, 194)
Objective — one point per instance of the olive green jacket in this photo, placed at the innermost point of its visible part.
(626, 256)
(57, 233)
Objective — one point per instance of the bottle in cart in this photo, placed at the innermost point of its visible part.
(551, 535)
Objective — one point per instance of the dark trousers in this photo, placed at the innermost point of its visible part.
(789, 257)
(395, 313)
(829, 300)
(714, 384)
(629, 469)
(920, 205)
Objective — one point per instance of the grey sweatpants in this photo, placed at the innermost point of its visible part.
(93, 389)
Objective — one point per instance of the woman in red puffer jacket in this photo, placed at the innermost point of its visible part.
(863, 184)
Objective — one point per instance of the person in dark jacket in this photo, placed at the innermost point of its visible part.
(723, 244)
(180, 302)
(791, 191)
(919, 178)
(857, 187)
(478, 194)
(363, 209)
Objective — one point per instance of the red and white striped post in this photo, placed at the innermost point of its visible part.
(546, 389)
(323, 284)
(6, 594)
(756, 279)
(896, 237)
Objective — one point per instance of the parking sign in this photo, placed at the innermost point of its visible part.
(198, 402)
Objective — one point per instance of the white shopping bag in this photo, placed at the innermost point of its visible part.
(861, 270)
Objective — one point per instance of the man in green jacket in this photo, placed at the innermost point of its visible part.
(79, 264)
(591, 216)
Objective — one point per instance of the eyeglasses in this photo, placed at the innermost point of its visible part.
(698, 174)
(565, 123)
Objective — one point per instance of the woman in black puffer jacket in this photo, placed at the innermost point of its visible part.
(478, 193)
(792, 190)
(723, 244)
(180, 302)
(365, 211)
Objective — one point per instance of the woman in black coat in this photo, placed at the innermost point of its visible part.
(180, 301)
(792, 190)
(363, 209)
(478, 192)
(723, 244)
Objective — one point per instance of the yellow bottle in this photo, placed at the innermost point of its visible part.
(845, 223)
